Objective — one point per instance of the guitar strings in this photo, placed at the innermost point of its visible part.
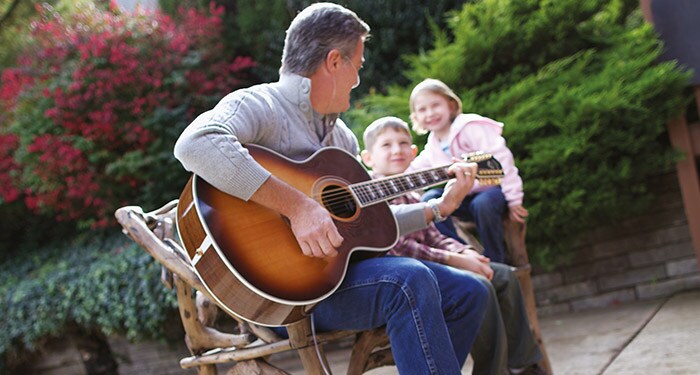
(345, 193)
(386, 184)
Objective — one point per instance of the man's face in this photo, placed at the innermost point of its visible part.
(348, 78)
(391, 153)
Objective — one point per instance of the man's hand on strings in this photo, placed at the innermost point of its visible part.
(458, 188)
(315, 230)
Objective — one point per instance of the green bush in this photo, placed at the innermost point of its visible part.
(582, 96)
(106, 283)
(398, 28)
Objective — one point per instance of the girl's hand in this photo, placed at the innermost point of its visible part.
(517, 213)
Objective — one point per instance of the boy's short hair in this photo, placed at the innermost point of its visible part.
(378, 126)
(438, 87)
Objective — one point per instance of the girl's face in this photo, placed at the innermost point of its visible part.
(433, 112)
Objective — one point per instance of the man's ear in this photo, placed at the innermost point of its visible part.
(414, 151)
(333, 59)
(366, 158)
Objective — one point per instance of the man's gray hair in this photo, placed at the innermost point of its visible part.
(317, 30)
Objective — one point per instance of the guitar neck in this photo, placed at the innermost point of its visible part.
(387, 188)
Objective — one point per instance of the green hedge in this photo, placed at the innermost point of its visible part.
(583, 98)
(398, 28)
(103, 283)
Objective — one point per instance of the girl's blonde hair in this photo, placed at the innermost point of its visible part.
(434, 86)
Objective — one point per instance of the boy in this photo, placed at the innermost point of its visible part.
(504, 342)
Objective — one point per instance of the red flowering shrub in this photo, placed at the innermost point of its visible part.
(92, 110)
(8, 191)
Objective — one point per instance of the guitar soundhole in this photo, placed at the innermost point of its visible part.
(338, 201)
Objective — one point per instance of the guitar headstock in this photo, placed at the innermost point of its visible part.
(490, 171)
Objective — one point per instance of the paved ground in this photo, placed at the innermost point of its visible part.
(650, 337)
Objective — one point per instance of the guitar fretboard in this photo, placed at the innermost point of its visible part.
(383, 189)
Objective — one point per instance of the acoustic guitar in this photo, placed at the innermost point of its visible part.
(247, 255)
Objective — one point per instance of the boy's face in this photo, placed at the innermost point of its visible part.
(392, 152)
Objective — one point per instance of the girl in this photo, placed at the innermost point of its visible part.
(436, 109)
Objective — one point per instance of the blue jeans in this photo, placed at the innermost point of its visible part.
(432, 312)
(486, 210)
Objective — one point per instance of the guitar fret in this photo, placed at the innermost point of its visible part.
(416, 181)
(363, 193)
(379, 190)
(408, 182)
(387, 188)
(372, 193)
(376, 192)
(397, 185)
(393, 186)
(358, 192)
(382, 189)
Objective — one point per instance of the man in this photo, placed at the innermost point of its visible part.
(431, 312)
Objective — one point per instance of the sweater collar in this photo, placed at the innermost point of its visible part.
(297, 90)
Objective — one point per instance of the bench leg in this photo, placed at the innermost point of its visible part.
(363, 359)
(515, 240)
(301, 339)
(529, 299)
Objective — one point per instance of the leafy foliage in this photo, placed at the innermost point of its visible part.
(96, 102)
(14, 16)
(105, 283)
(398, 28)
(90, 111)
(583, 98)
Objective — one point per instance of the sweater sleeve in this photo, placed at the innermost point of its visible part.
(411, 217)
(427, 243)
(211, 147)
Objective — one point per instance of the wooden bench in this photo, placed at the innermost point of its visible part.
(155, 232)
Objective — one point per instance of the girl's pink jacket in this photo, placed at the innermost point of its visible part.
(468, 133)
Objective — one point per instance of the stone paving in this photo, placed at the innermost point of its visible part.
(648, 337)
